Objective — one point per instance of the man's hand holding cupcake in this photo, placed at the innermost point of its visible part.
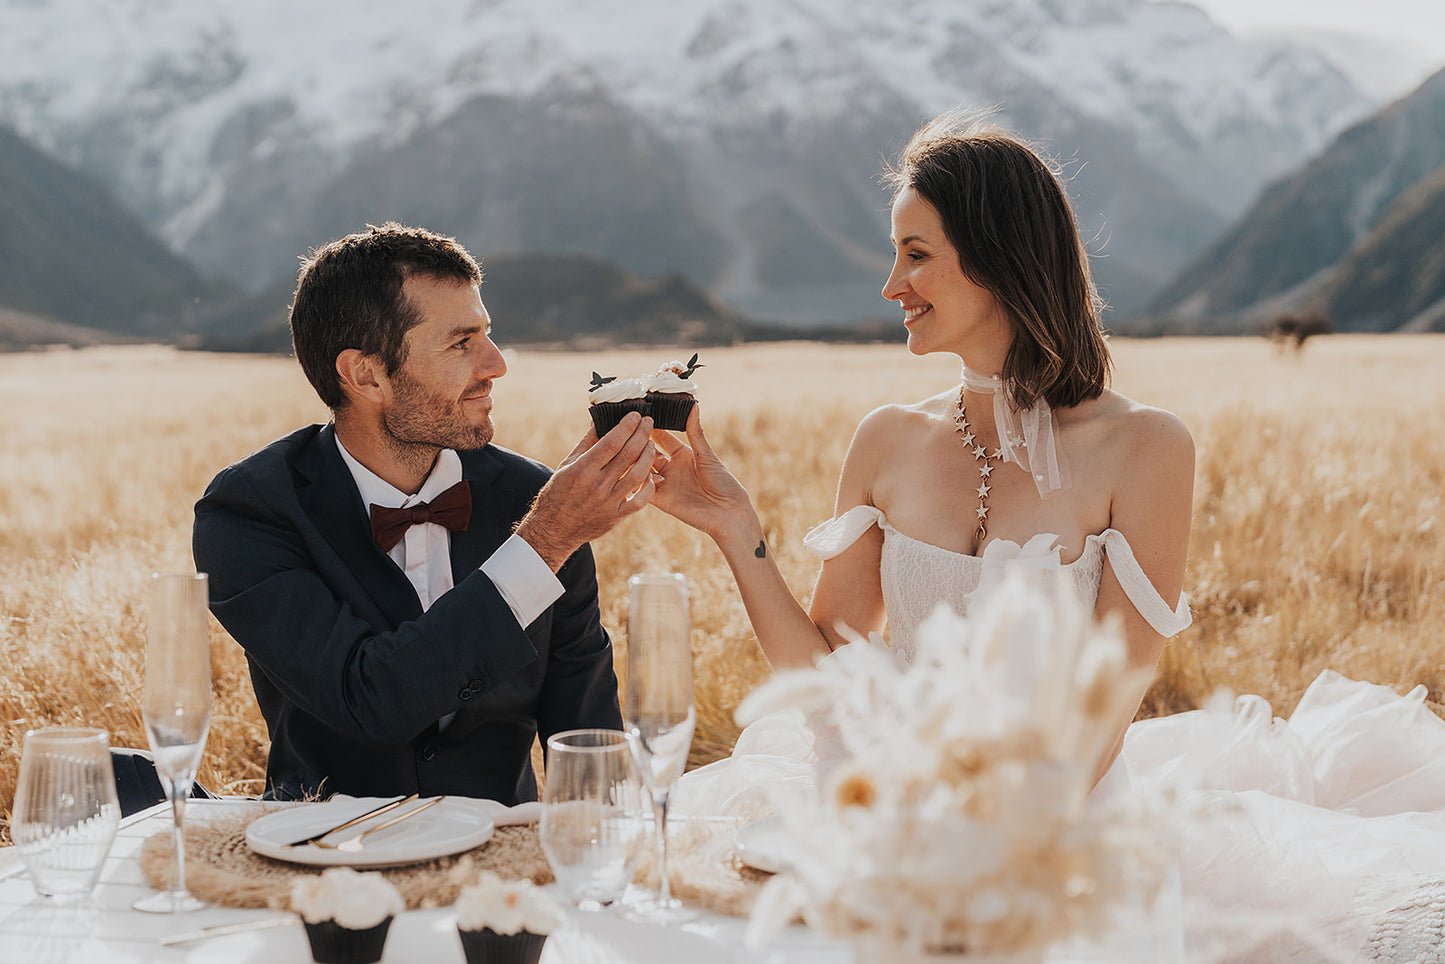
(602, 482)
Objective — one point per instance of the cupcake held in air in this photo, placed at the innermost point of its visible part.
(505, 922)
(665, 395)
(346, 914)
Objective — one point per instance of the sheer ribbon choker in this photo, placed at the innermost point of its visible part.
(1027, 437)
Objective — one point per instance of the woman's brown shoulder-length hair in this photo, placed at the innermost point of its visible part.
(1007, 214)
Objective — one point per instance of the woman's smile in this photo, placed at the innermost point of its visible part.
(911, 313)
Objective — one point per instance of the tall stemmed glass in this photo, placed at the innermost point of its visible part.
(660, 717)
(177, 710)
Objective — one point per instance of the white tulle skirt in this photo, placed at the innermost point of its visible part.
(1320, 838)
(1308, 839)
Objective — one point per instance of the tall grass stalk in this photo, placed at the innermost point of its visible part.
(1318, 537)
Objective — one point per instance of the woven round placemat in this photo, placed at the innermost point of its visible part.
(703, 869)
(1413, 930)
(222, 869)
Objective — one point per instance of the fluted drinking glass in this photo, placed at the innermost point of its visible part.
(66, 812)
(592, 817)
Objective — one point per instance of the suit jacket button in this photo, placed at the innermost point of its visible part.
(465, 694)
(428, 754)
(476, 686)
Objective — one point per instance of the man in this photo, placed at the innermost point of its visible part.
(397, 641)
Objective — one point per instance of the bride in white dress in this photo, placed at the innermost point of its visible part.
(989, 267)
(1327, 820)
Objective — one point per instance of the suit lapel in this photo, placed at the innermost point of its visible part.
(490, 525)
(491, 522)
(330, 498)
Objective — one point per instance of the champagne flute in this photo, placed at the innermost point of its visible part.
(177, 710)
(660, 716)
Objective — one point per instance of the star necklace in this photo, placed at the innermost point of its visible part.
(985, 469)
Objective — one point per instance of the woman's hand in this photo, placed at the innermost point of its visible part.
(695, 487)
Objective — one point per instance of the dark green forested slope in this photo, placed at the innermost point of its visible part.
(1305, 223)
(70, 253)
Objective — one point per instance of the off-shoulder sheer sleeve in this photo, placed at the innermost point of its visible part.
(829, 538)
(1141, 592)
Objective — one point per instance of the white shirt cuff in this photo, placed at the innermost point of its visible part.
(526, 582)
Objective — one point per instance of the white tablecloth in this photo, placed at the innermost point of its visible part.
(103, 928)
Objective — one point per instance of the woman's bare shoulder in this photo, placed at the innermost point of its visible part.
(888, 433)
(1132, 427)
(886, 421)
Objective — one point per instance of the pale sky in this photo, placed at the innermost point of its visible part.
(1398, 43)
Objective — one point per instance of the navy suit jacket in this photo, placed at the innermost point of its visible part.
(351, 675)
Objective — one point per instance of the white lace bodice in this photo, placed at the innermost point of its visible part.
(918, 575)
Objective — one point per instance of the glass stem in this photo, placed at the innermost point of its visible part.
(659, 816)
(178, 837)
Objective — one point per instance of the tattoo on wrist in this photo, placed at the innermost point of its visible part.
(762, 550)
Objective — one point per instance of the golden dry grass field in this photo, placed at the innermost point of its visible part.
(1318, 537)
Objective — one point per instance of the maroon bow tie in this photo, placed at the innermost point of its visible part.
(452, 508)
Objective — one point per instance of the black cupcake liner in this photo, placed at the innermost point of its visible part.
(606, 415)
(670, 410)
(333, 944)
(486, 946)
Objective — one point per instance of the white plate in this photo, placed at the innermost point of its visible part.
(454, 825)
(764, 845)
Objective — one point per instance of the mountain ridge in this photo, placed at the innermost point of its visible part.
(70, 254)
(1286, 252)
(245, 134)
(558, 300)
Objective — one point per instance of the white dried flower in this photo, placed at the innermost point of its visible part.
(956, 814)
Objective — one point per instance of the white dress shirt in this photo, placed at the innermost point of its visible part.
(424, 553)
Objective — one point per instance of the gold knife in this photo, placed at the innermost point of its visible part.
(384, 808)
(221, 930)
(353, 844)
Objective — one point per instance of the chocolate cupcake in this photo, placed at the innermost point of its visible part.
(486, 946)
(670, 394)
(666, 396)
(333, 944)
(505, 922)
(612, 398)
(347, 914)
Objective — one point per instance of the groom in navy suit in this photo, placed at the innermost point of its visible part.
(416, 604)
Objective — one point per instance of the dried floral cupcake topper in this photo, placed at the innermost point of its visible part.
(692, 365)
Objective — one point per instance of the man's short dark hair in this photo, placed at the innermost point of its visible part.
(349, 295)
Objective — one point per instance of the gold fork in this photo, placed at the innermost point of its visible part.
(352, 845)
(362, 818)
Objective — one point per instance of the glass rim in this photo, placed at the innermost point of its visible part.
(68, 734)
(555, 741)
(179, 576)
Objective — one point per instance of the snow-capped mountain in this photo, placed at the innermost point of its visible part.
(736, 140)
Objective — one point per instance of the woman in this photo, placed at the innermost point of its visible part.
(1317, 826)
(988, 266)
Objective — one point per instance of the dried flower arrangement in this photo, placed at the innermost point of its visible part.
(959, 817)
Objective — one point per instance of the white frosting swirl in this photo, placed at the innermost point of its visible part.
(507, 907)
(669, 382)
(355, 901)
(617, 390)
